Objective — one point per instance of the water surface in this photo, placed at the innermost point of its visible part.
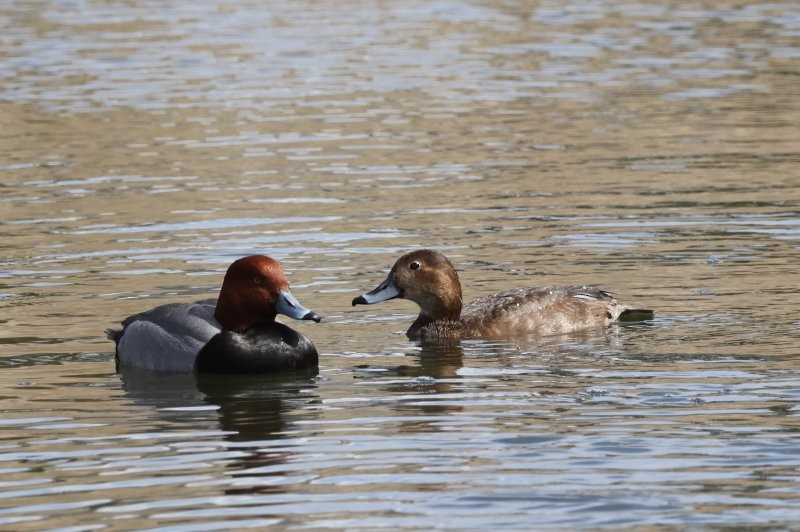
(651, 149)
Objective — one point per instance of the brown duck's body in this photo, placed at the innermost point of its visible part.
(429, 279)
(540, 311)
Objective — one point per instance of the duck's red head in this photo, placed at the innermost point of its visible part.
(254, 291)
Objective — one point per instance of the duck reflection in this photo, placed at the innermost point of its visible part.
(251, 410)
(434, 372)
(437, 360)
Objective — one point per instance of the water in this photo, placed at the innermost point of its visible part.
(651, 149)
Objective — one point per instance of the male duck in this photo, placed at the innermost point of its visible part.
(237, 333)
(427, 278)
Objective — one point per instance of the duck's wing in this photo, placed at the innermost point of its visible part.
(166, 338)
(541, 311)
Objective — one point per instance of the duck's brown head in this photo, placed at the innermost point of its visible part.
(425, 277)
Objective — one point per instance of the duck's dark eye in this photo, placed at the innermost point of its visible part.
(414, 265)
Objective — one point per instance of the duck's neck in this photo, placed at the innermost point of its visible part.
(440, 306)
(233, 314)
(439, 314)
(427, 328)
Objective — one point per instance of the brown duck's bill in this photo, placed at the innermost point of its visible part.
(386, 290)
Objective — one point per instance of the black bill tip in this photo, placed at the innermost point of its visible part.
(359, 301)
(313, 316)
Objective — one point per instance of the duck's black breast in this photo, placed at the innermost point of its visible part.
(264, 348)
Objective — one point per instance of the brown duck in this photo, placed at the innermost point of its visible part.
(428, 278)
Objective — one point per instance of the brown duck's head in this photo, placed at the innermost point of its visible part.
(425, 277)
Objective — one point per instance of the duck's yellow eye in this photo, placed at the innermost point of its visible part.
(414, 265)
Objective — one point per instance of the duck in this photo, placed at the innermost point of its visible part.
(235, 333)
(429, 279)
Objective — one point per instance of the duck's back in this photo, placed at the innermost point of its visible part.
(539, 311)
(166, 338)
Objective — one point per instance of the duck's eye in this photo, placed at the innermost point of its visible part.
(414, 265)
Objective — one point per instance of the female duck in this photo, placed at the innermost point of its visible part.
(427, 278)
(237, 333)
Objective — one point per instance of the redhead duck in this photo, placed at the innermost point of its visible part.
(237, 333)
(427, 278)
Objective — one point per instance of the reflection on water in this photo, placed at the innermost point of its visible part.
(651, 149)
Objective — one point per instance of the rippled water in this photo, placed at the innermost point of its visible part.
(651, 149)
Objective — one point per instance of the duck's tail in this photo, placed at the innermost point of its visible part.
(636, 314)
(114, 334)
